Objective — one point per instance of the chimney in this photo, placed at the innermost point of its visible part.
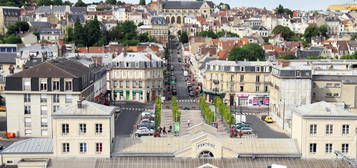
(149, 56)
(79, 103)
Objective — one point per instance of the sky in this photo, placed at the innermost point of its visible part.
(269, 4)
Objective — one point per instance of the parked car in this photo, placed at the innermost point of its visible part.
(267, 119)
(192, 93)
(246, 130)
(144, 131)
(186, 108)
(174, 92)
(239, 125)
(147, 125)
(147, 115)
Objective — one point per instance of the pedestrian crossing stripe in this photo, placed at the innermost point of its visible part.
(135, 109)
(187, 101)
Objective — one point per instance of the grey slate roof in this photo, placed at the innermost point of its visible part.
(40, 24)
(30, 146)
(78, 10)
(48, 10)
(8, 58)
(88, 109)
(158, 20)
(75, 17)
(186, 4)
(344, 79)
(50, 31)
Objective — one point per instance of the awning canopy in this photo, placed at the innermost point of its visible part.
(214, 93)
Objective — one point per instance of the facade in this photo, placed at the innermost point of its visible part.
(8, 16)
(84, 129)
(136, 76)
(158, 29)
(318, 137)
(33, 94)
(240, 83)
(50, 35)
(290, 87)
(176, 11)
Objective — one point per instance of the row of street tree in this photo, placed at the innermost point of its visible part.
(158, 110)
(224, 111)
(176, 114)
(206, 111)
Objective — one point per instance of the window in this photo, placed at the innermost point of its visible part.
(127, 84)
(82, 128)
(257, 78)
(43, 84)
(65, 129)
(98, 147)
(68, 98)
(241, 88)
(27, 98)
(27, 109)
(265, 88)
(98, 128)
(27, 84)
(55, 85)
(43, 98)
(56, 98)
(344, 148)
(44, 132)
(329, 129)
(298, 74)
(28, 121)
(328, 148)
(55, 108)
(43, 122)
(121, 83)
(68, 85)
(313, 147)
(28, 132)
(241, 78)
(313, 129)
(83, 147)
(43, 110)
(134, 84)
(65, 147)
(345, 129)
(140, 84)
(257, 88)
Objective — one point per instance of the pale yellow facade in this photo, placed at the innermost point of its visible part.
(320, 136)
(91, 138)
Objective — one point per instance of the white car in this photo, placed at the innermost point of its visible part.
(144, 131)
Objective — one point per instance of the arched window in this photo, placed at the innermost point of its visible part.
(206, 154)
(172, 20)
(178, 21)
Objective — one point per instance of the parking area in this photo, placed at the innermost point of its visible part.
(263, 129)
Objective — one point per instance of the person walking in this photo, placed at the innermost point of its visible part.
(164, 131)
(188, 123)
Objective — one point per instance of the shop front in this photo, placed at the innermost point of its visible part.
(252, 100)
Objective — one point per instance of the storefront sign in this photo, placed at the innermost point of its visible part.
(206, 144)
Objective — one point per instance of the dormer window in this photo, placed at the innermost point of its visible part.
(43, 84)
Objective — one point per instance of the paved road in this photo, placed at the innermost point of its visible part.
(127, 118)
(262, 130)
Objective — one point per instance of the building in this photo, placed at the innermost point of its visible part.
(158, 29)
(243, 83)
(136, 76)
(290, 87)
(322, 128)
(85, 129)
(50, 35)
(33, 94)
(8, 16)
(176, 11)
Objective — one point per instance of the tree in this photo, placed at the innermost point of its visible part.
(57, 2)
(18, 27)
(354, 36)
(314, 31)
(112, 2)
(142, 2)
(352, 56)
(11, 39)
(79, 35)
(67, 3)
(69, 35)
(93, 32)
(284, 31)
(323, 30)
(280, 10)
(287, 56)
(80, 3)
(250, 52)
(183, 37)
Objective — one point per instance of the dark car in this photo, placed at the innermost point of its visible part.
(174, 92)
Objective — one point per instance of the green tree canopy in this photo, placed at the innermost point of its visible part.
(352, 56)
(281, 10)
(80, 3)
(354, 36)
(18, 27)
(250, 52)
(11, 39)
(284, 31)
(315, 31)
(142, 2)
(287, 56)
(183, 37)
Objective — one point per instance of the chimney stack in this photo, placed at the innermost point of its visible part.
(79, 103)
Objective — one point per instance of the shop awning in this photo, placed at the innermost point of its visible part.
(127, 91)
(118, 91)
(215, 93)
(173, 82)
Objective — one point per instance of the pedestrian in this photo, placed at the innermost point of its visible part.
(188, 123)
(160, 129)
(164, 130)
(170, 128)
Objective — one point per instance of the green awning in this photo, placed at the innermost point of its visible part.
(173, 82)
(134, 91)
(215, 93)
(118, 91)
(127, 91)
(140, 91)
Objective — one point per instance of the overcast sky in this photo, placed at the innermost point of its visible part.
(269, 4)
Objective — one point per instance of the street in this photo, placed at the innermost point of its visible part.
(262, 130)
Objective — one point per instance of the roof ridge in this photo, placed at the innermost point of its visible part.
(60, 68)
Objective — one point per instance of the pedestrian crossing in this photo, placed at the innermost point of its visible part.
(135, 109)
(187, 101)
